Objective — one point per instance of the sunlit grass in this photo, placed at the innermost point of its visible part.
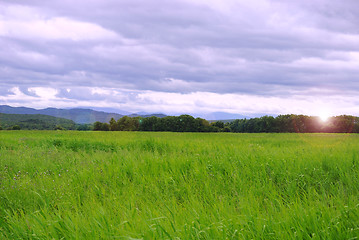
(122, 185)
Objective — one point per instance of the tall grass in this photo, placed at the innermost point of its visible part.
(133, 185)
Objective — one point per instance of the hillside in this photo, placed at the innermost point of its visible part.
(34, 121)
(78, 115)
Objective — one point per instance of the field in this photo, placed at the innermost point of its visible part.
(136, 185)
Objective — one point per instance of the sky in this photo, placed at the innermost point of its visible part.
(176, 57)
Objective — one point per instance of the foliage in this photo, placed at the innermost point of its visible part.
(15, 127)
(218, 124)
(34, 121)
(148, 185)
(268, 124)
(99, 126)
(296, 123)
(83, 127)
(127, 124)
(186, 123)
(58, 127)
(183, 123)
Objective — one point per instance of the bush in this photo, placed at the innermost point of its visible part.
(16, 127)
(58, 127)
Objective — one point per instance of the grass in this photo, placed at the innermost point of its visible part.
(136, 185)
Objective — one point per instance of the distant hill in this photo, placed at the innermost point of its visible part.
(223, 120)
(220, 116)
(159, 115)
(78, 115)
(34, 121)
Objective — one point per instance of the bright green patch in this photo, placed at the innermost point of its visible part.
(135, 185)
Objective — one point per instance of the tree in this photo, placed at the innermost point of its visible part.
(356, 125)
(135, 123)
(113, 125)
(186, 123)
(148, 124)
(284, 123)
(226, 128)
(128, 124)
(58, 127)
(343, 123)
(267, 124)
(237, 125)
(83, 127)
(97, 126)
(218, 124)
(16, 127)
(202, 125)
(105, 127)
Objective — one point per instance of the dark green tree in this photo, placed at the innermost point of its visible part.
(218, 124)
(105, 127)
(16, 127)
(284, 123)
(58, 127)
(113, 125)
(343, 123)
(148, 124)
(186, 123)
(83, 127)
(202, 125)
(97, 126)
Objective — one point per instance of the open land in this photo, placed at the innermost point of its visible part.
(151, 185)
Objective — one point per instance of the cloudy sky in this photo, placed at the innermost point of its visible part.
(182, 56)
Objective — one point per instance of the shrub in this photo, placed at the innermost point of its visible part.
(16, 127)
(58, 127)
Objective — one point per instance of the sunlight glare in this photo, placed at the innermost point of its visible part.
(324, 116)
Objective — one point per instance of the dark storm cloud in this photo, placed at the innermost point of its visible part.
(251, 47)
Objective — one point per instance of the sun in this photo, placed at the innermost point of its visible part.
(324, 116)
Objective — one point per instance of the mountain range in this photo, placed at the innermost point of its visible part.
(78, 115)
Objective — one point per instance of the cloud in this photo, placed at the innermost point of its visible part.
(44, 92)
(195, 103)
(259, 50)
(27, 23)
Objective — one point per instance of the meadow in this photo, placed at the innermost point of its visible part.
(152, 185)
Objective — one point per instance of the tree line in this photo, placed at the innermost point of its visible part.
(183, 123)
(297, 123)
(186, 123)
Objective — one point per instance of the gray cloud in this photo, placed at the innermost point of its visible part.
(261, 47)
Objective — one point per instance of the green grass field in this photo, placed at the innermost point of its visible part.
(136, 185)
